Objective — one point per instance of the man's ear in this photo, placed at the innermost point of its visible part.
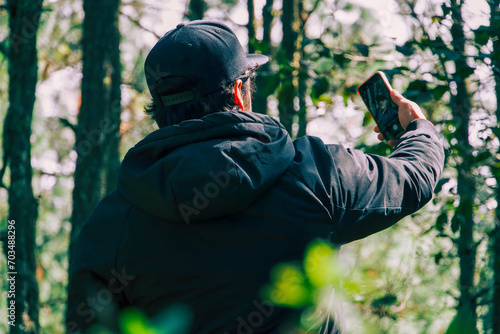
(238, 95)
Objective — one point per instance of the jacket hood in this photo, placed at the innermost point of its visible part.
(205, 168)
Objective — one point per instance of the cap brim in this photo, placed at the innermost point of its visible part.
(256, 59)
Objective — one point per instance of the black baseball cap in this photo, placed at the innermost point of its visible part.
(207, 53)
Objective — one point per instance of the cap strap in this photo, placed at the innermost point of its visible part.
(178, 98)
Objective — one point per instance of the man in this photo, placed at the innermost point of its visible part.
(208, 204)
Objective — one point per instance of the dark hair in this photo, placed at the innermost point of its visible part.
(220, 101)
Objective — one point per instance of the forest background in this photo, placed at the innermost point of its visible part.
(72, 94)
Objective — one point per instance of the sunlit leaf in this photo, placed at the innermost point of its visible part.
(323, 65)
(133, 321)
(288, 287)
(320, 265)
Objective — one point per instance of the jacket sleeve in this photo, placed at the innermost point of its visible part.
(367, 193)
(95, 290)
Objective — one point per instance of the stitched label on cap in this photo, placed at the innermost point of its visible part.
(170, 100)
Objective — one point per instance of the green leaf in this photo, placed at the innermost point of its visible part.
(465, 71)
(481, 157)
(387, 300)
(441, 221)
(440, 184)
(482, 35)
(455, 222)
(341, 59)
(446, 9)
(321, 266)
(133, 321)
(437, 18)
(323, 65)
(439, 91)
(319, 87)
(397, 70)
(362, 48)
(438, 257)
(496, 131)
(418, 85)
(288, 287)
(407, 49)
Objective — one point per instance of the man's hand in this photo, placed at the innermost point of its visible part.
(408, 111)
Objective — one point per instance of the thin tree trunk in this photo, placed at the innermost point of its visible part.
(303, 75)
(301, 92)
(196, 10)
(464, 214)
(288, 88)
(259, 103)
(19, 242)
(114, 109)
(495, 22)
(251, 26)
(267, 24)
(96, 118)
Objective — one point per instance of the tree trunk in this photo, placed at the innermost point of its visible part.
(196, 10)
(301, 92)
(267, 24)
(114, 109)
(251, 26)
(288, 89)
(99, 112)
(259, 103)
(303, 74)
(494, 24)
(463, 217)
(19, 241)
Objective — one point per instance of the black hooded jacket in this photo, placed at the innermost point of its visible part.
(203, 210)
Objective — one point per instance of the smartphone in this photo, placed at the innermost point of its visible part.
(376, 94)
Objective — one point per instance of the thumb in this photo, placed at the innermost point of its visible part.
(397, 97)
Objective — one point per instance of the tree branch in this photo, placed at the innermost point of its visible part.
(67, 123)
(137, 23)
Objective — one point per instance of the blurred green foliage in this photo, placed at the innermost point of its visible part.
(404, 280)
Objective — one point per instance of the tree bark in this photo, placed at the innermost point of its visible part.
(303, 74)
(260, 98)
(113, 109)
(494, 24)
(301, 92)
(267, 24)
(99, 112)
(464, 214)
(251, 26)
(24, 19)
(288, 89)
